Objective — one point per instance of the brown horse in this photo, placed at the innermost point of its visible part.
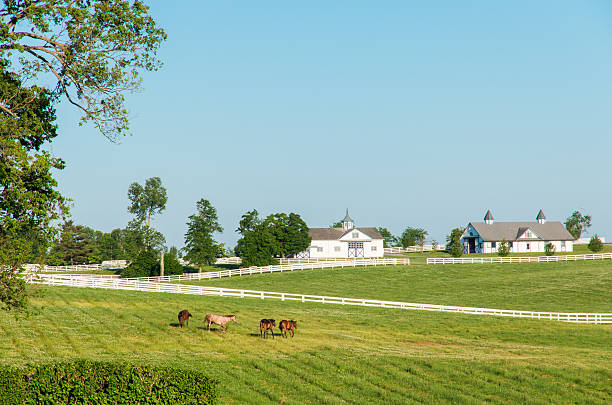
(220, 320)
(285, 326)
(183, 317)
(266, 325)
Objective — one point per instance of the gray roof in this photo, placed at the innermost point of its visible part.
(337, 233)
(488, 216)
(541, 215)
(497, 231)
(347, 218)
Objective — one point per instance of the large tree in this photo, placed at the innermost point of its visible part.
(200, 247)
(278, 235)
(29, 199)
(76, 245)
(289, 231)
(577, 223)
(88, 52)
(248, 222)
(146, 202)
(413, 236)
(91, 50)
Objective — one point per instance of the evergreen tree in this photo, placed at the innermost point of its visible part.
(595, 244)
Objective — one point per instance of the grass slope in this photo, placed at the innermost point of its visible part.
(339, 354)
(558, 287)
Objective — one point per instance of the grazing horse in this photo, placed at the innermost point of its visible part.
(183, 317)
(285, 326)
(220, 320)
(266, 325)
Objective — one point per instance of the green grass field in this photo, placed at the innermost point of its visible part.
(421, 257)
(348, 354)
(560, 287)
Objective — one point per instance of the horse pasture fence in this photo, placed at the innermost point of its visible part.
(142, 285)
(517, 259)
(245, 271)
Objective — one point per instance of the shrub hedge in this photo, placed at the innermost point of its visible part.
(89, 382)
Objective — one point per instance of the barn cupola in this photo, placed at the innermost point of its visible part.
(347, 222)
(488, 218)
(541, 217)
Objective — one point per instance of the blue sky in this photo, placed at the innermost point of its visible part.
(409, 114)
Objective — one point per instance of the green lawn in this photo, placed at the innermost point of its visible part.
(560, 287)
(421, 257)
(339, 354)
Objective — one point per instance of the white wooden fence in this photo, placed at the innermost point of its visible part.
(413, 249)
(76, 267)
(140, 285)
(229, 260)
(278, 268)
(516, 259)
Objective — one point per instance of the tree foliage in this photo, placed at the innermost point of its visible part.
(453, 242)
(504, 248)
(29, 199)
(76, 245)
(595, 244)
(577, 223)
(248, 222)
(549, 249)
(91, 50)
(200, 247)
(278, 235)
(389, 240)
(289, 231)
(412, 237)
(146, 202)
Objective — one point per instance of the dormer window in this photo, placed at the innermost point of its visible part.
(355, 235)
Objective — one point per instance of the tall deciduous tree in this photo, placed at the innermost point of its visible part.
(29, 199)
(91, 50)
(248, 222)
(289, 231)
(200, 247)
(577, 223)
(146, 202)
(413, 236)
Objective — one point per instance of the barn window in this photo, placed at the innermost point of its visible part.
(528, 246)
(511, 244)
(319, 249)
(373, 248)
(355, 235)
(336, 248)
(493, 245)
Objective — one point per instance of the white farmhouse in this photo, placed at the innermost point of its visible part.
(522, 237)
(344, 242)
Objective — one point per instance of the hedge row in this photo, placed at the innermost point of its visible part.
(87, 382)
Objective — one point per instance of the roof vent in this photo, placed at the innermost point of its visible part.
(489, 218)
(541, 217)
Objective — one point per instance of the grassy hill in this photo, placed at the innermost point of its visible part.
(344, 354)
(559, 287)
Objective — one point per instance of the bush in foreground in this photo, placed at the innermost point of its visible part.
(549, 249)
(86, 382)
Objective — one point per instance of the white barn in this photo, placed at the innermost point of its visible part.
(522, 237)
(345, 242)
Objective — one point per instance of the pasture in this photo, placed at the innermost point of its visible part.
(562, 287)
(349, 354)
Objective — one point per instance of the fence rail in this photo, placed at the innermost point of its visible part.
(517, 259)
(76, 267)
(413, 249)
(140, 285)
(277, 268)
